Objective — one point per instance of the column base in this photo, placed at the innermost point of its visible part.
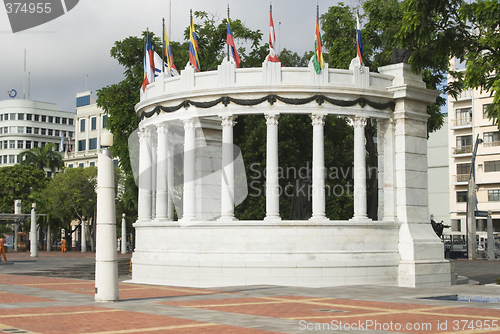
(275, 218)
(227, 218)
(360, 219)
(319, 218)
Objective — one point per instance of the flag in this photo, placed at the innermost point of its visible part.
(61, 147)
(318, 61)
(193, 47)
(149, 65)
(359, 42)
(272, 39)
(69, 145)
(158, 63)
(232, 48)
(167, 52)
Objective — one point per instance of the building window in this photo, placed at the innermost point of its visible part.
(93, 123)
(104, 119)
(5, 129)
(70, 134)
(64, 121)
(44, 118)
(58, 120)
(12, 159)
(44, 132)
(81, 164)
(36, 131)
(5, 144)
(29, 117)
(81, 145)
(82, 125)
(4, 159)
(491, 139)
(37, 118)
(93, 144)
(12, 117)
(57, 147)
(485, 106)
(35, 144)
(464, 117)
(83, 101)
(50, 132)
(70, 165)
(20, 117)
(49, 174)
(29, 129)
(463, 172)
(464, 144)
(492, 166)
(20, 144)
(115, 162)
(43, 144)
(6, 117)
(12, 144)
(20, 129)
(461, 196)
(70, 121)
(1, 117)
(28, 144)
(56, 133)
(92, 164)
(51, 119)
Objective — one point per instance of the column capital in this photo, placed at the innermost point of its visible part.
(188, 124)
(162, 128)
(359, 122)
(272, 119)
(228, 121)
(317, 119)
(144, 134)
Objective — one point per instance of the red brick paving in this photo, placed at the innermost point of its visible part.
(10, 298)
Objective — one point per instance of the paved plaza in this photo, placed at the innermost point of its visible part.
(54, 293)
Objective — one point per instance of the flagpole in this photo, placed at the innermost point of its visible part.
(163, 48)
(228, 58)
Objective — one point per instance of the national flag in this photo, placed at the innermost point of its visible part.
(61, 146)
(232, 48)
(149, 65)
(158, 63)
(272, 57)
(359, 42)
(193, 47)
(167, 52)
(69, 145)
(318, 61)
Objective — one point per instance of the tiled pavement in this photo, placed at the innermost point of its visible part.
(30, 303)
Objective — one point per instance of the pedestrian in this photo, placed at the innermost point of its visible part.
(2, 249)
(63, 245)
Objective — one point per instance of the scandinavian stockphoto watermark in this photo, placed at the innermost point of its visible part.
(27, 14)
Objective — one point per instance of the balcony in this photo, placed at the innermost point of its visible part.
(461, 149)
(462, 122)
(491, 144)
(461, 178)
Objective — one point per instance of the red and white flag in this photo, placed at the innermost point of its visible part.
(272, 57)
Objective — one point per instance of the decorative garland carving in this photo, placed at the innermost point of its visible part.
(271, 99)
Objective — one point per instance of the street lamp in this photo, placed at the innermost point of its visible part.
(106, 265)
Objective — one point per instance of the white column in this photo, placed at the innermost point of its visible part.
(318, 172)
(170, 181)
(389, 172)
(227, 181)
(84, 236)
(189, 202)
(33, 234)
(272, 181)
(381, 123)
(144, 205)
(154, 160)
(359, 168)
(49, 239)
(124, 235)
(161, 172)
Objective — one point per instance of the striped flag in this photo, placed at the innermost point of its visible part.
(359, 42)
(193, 47)
(167, 52)
(272, 57)
(232, 48)
(318, 61)
(149, 65)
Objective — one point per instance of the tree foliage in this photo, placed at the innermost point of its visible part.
(42, 158)
(469, 31)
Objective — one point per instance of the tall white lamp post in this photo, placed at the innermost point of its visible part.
(33, 234)
(106, 265)
(124, 235)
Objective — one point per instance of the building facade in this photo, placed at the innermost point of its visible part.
(468, 123)
(26, 124)
(90, 123)
(438, 164)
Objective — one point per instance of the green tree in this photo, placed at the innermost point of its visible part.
(45, 157)
(18, 182)
(469, 31)
(292, 59)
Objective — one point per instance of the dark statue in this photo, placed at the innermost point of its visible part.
(301, 208)
(438, 227)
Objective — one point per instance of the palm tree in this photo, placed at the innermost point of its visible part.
(42, 157)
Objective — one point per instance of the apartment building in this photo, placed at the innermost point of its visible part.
(468, 122)
(90, 123)
(26, 124)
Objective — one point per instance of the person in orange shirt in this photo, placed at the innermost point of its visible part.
(2, 249)
(63, 245)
